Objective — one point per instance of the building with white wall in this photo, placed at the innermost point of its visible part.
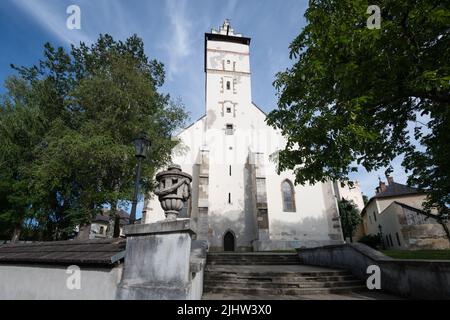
(238, 199)
(396, 213)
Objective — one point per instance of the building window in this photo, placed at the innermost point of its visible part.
(228, 85)
(287, 191)
(228, 110)
(229, 197)
(229, 129)
(375, 216)
(387, 241)
(370, 219)
(398, 239)
(230, 171)
(228, 61)
(390, 240)
(102, 230)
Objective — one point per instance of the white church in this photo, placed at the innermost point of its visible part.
(239, 201)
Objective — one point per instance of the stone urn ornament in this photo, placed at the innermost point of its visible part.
(174, 188)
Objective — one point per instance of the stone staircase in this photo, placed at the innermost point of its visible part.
(272, 274)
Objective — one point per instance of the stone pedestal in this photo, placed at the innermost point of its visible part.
(157, 261)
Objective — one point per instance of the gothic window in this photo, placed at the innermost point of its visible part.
(228, 85)
(287, 191)
(228, 110)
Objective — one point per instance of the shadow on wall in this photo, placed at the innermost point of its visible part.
(308, 228)
(210, 118)
(230, 220)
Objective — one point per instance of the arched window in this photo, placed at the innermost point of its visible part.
(287, 192)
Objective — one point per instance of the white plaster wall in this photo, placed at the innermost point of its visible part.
(352, 193)
(38, 282)
(389, 220)
(414, 200)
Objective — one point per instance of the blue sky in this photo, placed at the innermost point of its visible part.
(173, 32)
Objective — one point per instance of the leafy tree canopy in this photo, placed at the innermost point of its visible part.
(352, 92)
(66, 131)
(350, 217)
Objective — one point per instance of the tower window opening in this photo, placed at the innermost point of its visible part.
(229, 197)
(228, 85)
(229, 129)
(230, 170)
(228, 110)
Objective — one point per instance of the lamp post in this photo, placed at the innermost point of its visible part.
(141, 145)
(381, 237)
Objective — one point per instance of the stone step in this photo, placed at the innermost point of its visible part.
(282, 285)
(279, 291)
(262, 263)
(277, 279)
(270, 274)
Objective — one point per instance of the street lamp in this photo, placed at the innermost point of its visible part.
(141, 145)
(381, 237)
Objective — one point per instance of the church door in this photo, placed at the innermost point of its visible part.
(228, 242)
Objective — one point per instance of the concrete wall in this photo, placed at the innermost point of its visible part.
(420, 279)
(48, 282)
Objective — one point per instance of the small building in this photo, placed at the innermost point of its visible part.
(396, 212)
(102, 226)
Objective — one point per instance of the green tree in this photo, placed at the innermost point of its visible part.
(365, 199)
(352, 92)
(87, 106)
(350, 218)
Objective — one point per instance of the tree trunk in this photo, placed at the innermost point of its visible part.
(84, 232)
(116, 219)
(117, 226)
(16, 234)
(447, 232)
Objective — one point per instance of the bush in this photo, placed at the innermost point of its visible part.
(371, 240)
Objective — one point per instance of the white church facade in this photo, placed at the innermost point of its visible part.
(239, 201)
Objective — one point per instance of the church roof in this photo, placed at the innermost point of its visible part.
(105, 252)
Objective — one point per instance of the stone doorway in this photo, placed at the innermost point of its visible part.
(228, 241)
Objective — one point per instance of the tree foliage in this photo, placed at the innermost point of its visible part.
(66, 131)
(353, 91)
(350, 217)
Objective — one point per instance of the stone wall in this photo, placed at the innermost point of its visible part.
(419, 279)
(48, 282)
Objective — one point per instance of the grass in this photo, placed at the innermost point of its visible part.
(418, 254)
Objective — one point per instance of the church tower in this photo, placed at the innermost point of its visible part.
(229, 118)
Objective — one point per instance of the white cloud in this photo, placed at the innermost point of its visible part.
(179, 45)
